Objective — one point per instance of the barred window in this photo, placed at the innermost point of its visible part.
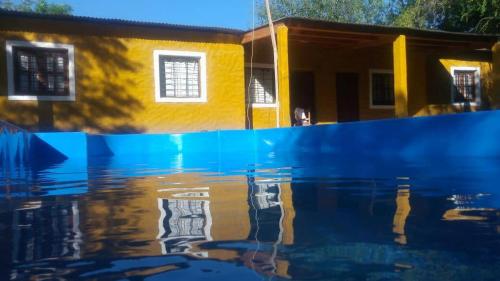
(40, 71)
(464, 86)
(382, 88)
(180, 76)
(261, 90)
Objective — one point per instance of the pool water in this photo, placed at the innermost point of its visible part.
(307, 217)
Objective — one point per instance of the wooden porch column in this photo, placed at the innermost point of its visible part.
(496, 75)
(283, 75)
(400, 76)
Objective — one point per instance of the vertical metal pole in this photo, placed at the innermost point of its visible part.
(275, 57)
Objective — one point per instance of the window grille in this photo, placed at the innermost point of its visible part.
(181, 77)
(261, 85)
(465, 86)
(40, 71)
(382, 89)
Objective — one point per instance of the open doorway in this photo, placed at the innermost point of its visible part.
(347, 97)
(302, 92)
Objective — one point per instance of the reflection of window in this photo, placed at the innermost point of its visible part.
(180, 76)
(40, 71)
(261, 90)
(381, 88)
(466, 84)
(183, 222)
(265, 211)
(46, 231)
(266, 196)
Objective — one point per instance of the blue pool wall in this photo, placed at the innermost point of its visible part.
(468, 134)
(66, 163)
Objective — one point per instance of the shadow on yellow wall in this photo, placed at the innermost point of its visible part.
(108, 102)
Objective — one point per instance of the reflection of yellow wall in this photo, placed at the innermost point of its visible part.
(289, 213)
(136, 216)
(402, 212)
(115, 83)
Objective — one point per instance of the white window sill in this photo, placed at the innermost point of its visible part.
(41, 98)
(263, 105)
(182, 100)
(457, 104)
(382, 106)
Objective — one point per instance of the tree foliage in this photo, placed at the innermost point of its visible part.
(352, 11)
(453, 15)
(36, 6)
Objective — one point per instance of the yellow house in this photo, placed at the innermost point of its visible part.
(105, 75)
(350, 72)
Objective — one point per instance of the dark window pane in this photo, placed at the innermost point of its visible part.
(40, 71)
(465, 86)
(382, 89)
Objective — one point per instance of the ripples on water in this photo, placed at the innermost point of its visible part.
(308, 218)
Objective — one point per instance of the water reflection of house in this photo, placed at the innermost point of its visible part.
(182, 213)
(258, 213)
(44, 230)
(183, 222)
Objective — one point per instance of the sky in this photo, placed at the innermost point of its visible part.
(218, 13)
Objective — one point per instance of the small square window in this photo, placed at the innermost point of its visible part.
(261, 90)
(381, 89)
(180, 76)
(466, 85)
(40, 71)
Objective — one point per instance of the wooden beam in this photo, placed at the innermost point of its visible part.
(260, 33)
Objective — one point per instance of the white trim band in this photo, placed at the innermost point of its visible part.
(203, 76)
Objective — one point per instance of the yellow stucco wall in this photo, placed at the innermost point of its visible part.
(496, 75)
(439, 98)
(428, 93)
(400, 76)
(325, 63)
(261, 118)
(115, 89)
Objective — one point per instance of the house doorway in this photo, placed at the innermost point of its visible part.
(302, 91)
(347, 97)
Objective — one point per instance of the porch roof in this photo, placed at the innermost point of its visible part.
(337, 34)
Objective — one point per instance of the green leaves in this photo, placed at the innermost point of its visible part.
(453, 15)
(351, 11)
(38, 6)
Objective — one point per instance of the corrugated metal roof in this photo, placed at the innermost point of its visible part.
(289, 21)
(382, 29)
(85, 19)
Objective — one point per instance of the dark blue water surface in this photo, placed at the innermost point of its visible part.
(306, 217)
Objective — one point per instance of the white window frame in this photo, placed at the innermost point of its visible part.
(382, 71)
(261, 105)
(203, 76)
(477, 79)
(10, 70)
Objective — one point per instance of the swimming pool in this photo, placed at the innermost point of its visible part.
(266, 215)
